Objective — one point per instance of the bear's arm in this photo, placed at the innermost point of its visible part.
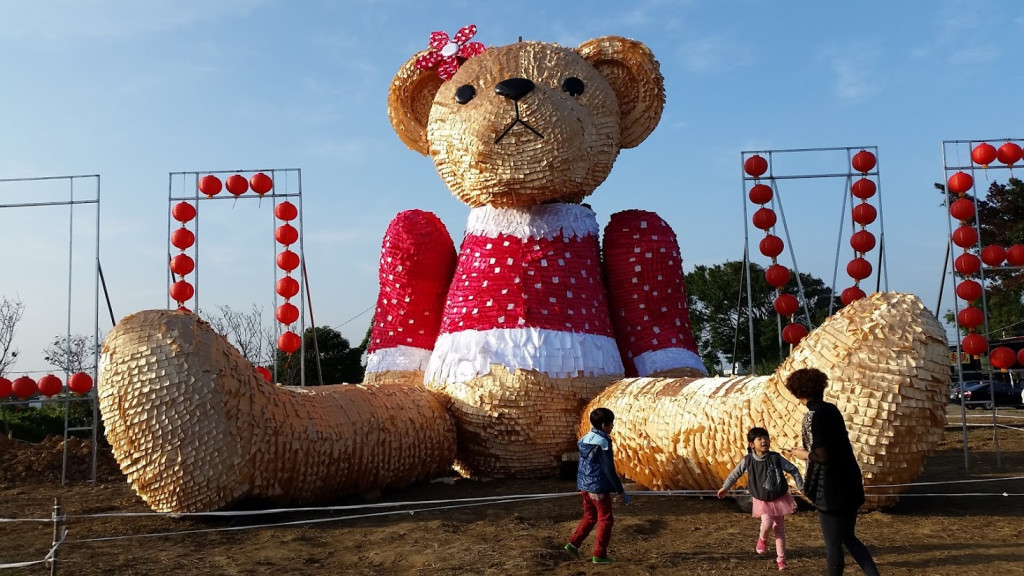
(647, 296)
(417, 263)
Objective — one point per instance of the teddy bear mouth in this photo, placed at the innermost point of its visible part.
(517, 120)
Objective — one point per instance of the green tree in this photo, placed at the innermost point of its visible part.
(339, 363)
(1000, 222)
(718, 311)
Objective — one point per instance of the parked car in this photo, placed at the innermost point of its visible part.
(979, 394)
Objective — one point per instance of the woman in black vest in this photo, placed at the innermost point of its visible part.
(833, 481)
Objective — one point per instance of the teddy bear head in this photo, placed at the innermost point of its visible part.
(530, 122)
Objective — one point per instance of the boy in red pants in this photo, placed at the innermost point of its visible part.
(597, 481)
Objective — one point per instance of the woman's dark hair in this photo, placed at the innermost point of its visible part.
(755, 433)
(807, 383)
(601, 416)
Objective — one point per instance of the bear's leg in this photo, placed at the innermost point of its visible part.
(416, 266)
(196, 428)
(886, 359)
(647, 297)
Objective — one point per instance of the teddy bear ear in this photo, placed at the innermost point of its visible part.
(409, 101)
(630, 68)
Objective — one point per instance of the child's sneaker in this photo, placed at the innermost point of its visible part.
(782, 564)
(761, 545)
(574, 551)
(602, 560)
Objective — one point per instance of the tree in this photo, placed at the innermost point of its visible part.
(1001, 223)
(11, 311)
(72, 354)
(338, 362)
(247, 332)
(719, 315)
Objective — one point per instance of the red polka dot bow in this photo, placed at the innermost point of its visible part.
(448, 53)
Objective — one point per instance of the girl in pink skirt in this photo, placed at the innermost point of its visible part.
(768, 489)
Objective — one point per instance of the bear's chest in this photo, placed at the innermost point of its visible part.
(502, 281)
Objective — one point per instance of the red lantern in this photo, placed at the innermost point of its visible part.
(863, 188)
(237, 184)
(755, 166)
(864, 214)
(1015, 255)
(182, 264)
(771, 246)
(794, 333)
(209, 185)
(786, 304)
(967, 264)
(265, 373)
(183, 212)
(1002, 357)
(286, 211)
(983, 154)
(962, 209)
(286, 234)
(181, 291)
(287, 260)
(862, 241)
(260, 183)
(965, 236)
(23, 387)
(777, 275)
(80, 383)
(969, 290)
(49, 385)
(5, 388)
(975, 344)
(287, 313)
(182, 238)
(183, 309)
(970, 317)
(1008, 153)
(760, 194)
(993, 255)
(851, 294)
(863, 161)
(960, 182)
(858, 269)
(289, 342)
(764, 218)
(287, 287)
(1020, 359)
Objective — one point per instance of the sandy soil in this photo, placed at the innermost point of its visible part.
(981, 533)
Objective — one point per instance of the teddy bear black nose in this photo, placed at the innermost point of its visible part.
(514, 88)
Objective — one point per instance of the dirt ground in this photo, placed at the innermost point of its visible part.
(978, 532)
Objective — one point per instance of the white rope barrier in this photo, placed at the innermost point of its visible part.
(46, 559)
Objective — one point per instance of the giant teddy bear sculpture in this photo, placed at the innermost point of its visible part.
(489, 359)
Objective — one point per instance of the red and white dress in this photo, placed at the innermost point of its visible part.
(527, 292)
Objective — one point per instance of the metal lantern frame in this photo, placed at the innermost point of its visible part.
(846, 174)
(953, 153)
(89, 197)
(179, 182)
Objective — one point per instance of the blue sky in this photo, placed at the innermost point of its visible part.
(133, 90)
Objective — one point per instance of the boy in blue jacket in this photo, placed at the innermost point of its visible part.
(597, 481)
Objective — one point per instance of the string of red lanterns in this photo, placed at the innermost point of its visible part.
(771, 246)
(967, 264)
(862, 241)
(287, 287)
(182, 264)
(50, 385)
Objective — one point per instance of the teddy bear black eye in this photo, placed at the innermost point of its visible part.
(464, 94)
(573, 85)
